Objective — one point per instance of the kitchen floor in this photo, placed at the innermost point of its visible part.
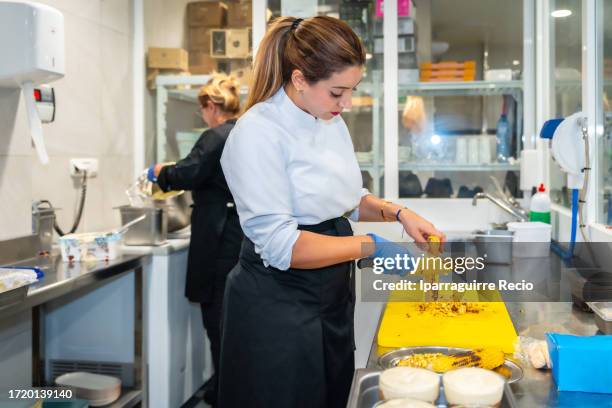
(196, 401)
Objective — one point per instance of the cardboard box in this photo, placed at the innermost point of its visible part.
(200, 62)
(242, 74)
(199, 39)
(168, 58)
(211, 14)
(240, 15)
(231, 43)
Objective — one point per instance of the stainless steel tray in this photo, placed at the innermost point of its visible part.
(391, 358)
(13, 296)
(603, 323)
(365, 392)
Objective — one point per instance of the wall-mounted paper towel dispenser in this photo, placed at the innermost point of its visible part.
(32, 49)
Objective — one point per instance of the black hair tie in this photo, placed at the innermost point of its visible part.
(296, 23)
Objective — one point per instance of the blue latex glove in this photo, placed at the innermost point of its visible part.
(151, 174)
(386, 249)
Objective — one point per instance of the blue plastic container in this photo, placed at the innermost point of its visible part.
(581, 363)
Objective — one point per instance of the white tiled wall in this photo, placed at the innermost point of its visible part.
(93, 119)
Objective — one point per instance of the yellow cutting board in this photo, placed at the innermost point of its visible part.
(404, 326)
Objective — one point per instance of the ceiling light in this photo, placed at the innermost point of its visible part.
(561, 13)
(516, 62)
(435, 139)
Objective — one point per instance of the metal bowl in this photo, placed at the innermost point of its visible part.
(177, 205)
(392, 358)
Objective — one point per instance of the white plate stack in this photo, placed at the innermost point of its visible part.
(96, 388)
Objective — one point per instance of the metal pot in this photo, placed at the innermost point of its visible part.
(153, 230)
(177, 205)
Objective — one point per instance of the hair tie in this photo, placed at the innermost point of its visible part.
(296, 23)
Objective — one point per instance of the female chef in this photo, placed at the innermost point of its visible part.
(215, 230)
(287, 332)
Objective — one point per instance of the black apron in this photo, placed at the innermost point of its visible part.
(213, 250)
(287, 336)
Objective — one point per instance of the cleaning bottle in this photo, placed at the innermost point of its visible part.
(502, 138)
(539, 210)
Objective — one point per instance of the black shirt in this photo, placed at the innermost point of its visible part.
(201, 170)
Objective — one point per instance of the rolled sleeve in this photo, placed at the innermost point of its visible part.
(254, 165)
(354, 215)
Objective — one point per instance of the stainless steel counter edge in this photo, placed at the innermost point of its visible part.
(62, 278)
(171, 246)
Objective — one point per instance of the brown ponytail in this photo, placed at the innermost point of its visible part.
(318, 46)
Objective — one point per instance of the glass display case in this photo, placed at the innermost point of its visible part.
(447, 130)
(460, 97)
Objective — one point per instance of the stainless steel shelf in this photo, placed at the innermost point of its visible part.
(449, 166)
(129, 398)
(191, 95)
(462, 88)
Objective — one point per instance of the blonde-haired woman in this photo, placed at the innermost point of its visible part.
(215, 229)
(288, 314)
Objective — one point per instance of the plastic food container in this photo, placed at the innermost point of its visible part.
(96, 388)
(531, 239)
(603, 315)
(90, 246)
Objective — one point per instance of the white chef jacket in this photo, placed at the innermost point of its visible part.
(286, 168)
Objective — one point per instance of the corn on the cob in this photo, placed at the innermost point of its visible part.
(503, 370)
(488, 358)
(423, 360)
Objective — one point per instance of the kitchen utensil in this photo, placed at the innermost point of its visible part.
(43, 218)
(603, 315)
(392, 358)
(403, 325)
(127, 225)
(177, 205)
(152, 231)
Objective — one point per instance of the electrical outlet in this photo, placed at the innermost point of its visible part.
(77, 166)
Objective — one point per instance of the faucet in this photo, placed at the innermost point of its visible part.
(509, 208)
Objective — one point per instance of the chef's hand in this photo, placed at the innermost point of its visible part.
(420, 229)
(154, 170)
(383, 249)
